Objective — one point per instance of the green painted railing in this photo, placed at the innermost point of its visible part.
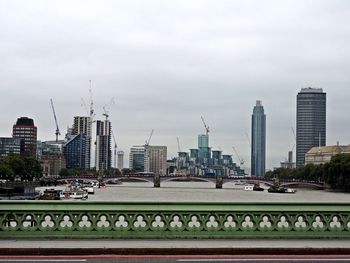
(57, 219)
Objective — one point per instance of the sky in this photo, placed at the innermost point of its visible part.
(167, 63)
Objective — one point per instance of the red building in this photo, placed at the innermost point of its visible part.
(25, 130)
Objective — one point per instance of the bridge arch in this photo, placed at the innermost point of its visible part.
(140, 179)
(191, 178)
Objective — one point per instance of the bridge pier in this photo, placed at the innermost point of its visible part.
(219, 182)
(156, 180)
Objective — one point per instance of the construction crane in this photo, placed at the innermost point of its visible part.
(149, 139)
(241, 161)
(92, 111)
(205, 126)
(115, 149)
(295, 138)
(107, 107)
(54, 115)
(178, 144)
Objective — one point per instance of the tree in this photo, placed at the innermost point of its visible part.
(6, 172)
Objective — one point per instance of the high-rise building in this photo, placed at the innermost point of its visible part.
(103, 156)
(75, 151)
(25, 130)
(120, 160)
(82, 125)
(137, 158)
(258, 151)
(9, 145)
(204, 150)
(155, 159)
(311, 122)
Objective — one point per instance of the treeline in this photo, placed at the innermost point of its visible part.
(16, 166)
(335, 173)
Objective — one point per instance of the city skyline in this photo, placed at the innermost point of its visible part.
(167, 64)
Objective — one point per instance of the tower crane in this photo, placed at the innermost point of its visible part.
(149, 139)
(295, 138)
(178, 144)
(241, 161)
(92, 111)
(205, 126)
(115, 149)
(54, 115)
(107, 107)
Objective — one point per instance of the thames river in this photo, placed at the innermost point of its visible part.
(206, 192)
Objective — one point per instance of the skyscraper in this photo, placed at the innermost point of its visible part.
(155, 159)
(25, 130)
(120, 155)
(82, 125)
(311, 121)
(103, 146)
(258, 154)
(137, 158)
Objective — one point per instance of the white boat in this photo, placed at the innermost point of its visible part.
(249, 187)
(290, 190)
(89, 190)
(74, 194)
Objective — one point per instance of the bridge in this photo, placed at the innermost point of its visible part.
(218, 181)
(173, 220)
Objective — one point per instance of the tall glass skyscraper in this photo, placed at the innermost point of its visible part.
(311, 121)
(258, 140)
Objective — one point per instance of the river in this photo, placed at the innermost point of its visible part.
(206, 192)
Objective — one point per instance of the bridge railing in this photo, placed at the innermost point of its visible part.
(59, 219)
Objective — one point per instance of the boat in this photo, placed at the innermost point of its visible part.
(280, 189)
(74, 194)
(89, 190)
(249, 187)
(257, 188)
(51, 194)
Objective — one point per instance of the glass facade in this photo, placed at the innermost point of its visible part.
(311, 122)
(258, 151)
(75, 151)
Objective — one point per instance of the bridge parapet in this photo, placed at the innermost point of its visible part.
(58, 219)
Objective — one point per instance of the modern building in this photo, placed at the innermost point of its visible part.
(9, 145)
(258, 148)
(25, 130)
(75, 151)
(204, 151)
(155, 159)
(103, 157)
(310, 122)
(120, 161)
(289, 164)
(321, 155)
(82, 125)
(137, 158)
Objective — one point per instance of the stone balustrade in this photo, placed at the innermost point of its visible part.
(83, 219)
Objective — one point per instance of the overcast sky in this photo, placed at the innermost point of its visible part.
(167, 63)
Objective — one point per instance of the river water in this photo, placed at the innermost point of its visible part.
(206, 192)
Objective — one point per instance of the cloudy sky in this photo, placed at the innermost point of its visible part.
(167, 63)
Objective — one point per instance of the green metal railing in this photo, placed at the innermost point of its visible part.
(57, 219)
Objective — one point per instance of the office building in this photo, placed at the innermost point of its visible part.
(258, 148)
(310, 122)
(26, 131)
(75, 152)
(155, 159)
(120, 160)
(137, 158)
(10, 145)
(103, 157)
(82, 125)
(288, 164)
(204, 151)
